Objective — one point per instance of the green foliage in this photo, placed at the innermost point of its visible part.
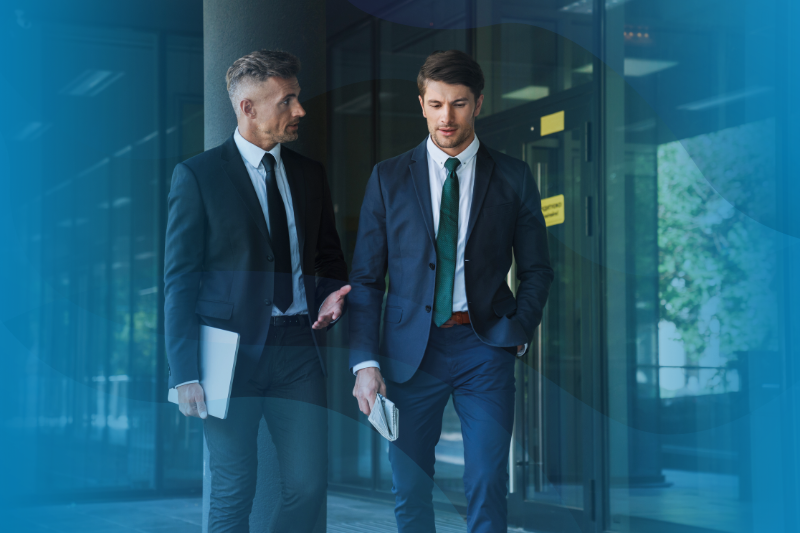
(715, 262)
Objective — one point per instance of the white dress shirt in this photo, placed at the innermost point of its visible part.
(437, 175)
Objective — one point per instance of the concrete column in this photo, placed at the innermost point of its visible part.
(231, 29)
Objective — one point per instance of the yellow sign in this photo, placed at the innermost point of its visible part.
(553, 210)
(552, 123)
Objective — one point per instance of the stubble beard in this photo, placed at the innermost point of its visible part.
(283, 137)
(451, 142)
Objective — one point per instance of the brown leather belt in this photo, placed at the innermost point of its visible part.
(459, 318)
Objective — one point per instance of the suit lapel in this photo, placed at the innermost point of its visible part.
(297, 186)
(233, 165)
(422, 186)
(483, 174)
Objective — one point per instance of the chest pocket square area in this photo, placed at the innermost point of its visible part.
(384, 418)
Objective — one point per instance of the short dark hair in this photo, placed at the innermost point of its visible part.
(259, 66)
(453, 67)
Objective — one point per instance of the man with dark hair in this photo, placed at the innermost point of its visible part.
(444, 220)
(252, 247)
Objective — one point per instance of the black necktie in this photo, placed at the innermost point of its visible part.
(279, 234)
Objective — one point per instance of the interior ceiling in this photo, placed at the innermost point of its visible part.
(180, 16)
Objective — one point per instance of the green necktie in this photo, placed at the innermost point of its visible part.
(446, 245)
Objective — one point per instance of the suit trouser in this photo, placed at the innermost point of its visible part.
(481, 380)
(288, 390)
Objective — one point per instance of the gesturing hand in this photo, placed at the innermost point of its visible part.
(191, 400)
(331, 308)
(368, 382)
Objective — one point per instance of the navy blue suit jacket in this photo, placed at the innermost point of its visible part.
(219, 264)
(396, 235)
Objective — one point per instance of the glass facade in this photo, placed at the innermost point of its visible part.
(659, 393)
(653, 394)
(89, 153)
(697, 361)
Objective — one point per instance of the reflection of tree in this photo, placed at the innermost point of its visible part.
(142, 362)
(716, 265)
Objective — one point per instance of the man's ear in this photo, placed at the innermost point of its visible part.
(246, 107)
(478, 104)
(422, 105)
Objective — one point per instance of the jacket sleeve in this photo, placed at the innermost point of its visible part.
(183, 263)
(368, 275)
(329, 264)
(532, 257)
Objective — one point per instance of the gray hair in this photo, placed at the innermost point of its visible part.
(258, 66)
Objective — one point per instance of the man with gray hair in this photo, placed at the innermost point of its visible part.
(252, 247)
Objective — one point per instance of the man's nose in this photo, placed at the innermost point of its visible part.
(299, 111)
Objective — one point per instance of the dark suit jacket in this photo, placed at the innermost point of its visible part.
(219, 264)
(396, 234)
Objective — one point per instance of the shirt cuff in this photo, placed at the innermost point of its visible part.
(522, 352)
(186, 383)
(366, 364)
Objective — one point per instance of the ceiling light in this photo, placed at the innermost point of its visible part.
(33, 131)
(585, 6)
(636, 68)
(721, 99)
(91, 83)
(529, 93)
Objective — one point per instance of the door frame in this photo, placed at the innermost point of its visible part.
(517, 123)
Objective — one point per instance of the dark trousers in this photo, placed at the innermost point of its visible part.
(288, 390)
(481, 380)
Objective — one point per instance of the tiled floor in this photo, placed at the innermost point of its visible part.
(345, 515)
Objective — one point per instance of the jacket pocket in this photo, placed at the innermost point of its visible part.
(393, 314)
(504, 303)
(505, 307)
(222, 310)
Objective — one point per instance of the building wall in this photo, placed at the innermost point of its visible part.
(661, 392)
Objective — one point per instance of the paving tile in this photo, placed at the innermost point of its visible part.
(22, 526)
(345, 515)
(184, 528)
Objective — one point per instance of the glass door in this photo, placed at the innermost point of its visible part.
(552, 467)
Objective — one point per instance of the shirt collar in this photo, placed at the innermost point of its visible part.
(439, 156)
(252, 153)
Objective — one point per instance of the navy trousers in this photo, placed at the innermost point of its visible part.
(288, 391)
(481, 380)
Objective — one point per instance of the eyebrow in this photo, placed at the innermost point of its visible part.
(288, 96)
(453, 102)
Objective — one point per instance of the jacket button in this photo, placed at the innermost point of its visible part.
(270, 258)
(267, 302)
(432, 266)
(427, 308)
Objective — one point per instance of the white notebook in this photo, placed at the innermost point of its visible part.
(218, 350)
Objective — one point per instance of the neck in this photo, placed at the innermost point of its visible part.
(455, 150)
(251, 135)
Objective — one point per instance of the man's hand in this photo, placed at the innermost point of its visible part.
(331, 308)
(368, 382)
(520, 347)
(191, 400)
